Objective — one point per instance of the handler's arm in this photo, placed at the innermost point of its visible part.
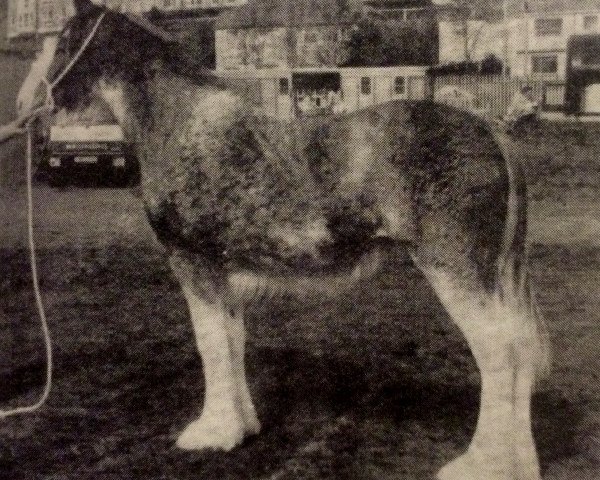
(13, 128)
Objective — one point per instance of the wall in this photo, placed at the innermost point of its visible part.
(271, 102)
(252, 48)
(21, 17)
(247, 49)
(318, 46)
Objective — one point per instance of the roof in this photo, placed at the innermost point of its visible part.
(519, 7)
(83, 133)
(385, 4)
(285, 13)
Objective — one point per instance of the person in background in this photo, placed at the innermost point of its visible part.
(523, 110)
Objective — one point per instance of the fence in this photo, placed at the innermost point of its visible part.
(493, 93)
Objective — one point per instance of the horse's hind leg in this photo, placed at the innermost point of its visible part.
(220, 426)
(236, 333)
(505, 342)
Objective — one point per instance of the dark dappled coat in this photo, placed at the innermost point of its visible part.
(251, 192)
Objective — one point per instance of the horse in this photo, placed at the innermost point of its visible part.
(248, 207)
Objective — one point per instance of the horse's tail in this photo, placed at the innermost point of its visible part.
(513, 280)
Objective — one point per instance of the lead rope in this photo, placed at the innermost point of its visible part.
(48, 106)
(36, 288)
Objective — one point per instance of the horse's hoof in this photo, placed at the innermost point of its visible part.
(467, 467)
(212, 432)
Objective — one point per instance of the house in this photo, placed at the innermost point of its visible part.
(540, 31)
(302, 33)
(530, 35)
(280, 33)
(292, 49)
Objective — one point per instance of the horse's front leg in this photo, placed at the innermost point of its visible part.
(221, 424)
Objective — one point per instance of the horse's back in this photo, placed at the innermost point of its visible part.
(313, 194)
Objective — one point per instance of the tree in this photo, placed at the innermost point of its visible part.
(376, 41)
(466, 13)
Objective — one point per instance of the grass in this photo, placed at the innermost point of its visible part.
(377, 384)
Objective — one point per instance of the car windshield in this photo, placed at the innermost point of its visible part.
(81, 133)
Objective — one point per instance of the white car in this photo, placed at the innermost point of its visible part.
(96, 153)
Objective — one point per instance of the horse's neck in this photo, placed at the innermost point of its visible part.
(167, 102)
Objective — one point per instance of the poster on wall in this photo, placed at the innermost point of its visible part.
(52, 15)
(12, 29)
(25, 17)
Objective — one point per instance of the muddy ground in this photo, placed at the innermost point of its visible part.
(377, 384)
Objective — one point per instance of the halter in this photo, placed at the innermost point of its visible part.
(49, 101)
(48, 105)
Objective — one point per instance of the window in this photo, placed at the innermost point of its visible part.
(284, 86)
(590, 22)
(545, 64)
(399, 85)
(548, 27)
(365, 86)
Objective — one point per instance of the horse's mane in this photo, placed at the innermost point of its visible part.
(176, 57)
(181, 61)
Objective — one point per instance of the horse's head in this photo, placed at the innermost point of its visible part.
(96, 44)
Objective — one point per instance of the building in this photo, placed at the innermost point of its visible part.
(530, 35)
(540, 32)
(292, 50)
(280, 34)
(296, 92)
(288, 49)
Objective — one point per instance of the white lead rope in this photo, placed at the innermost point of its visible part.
(9, 132)
(36, 289)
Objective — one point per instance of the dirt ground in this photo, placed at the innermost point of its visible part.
(377, 384)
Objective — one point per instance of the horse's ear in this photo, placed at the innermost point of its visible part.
(82, 6)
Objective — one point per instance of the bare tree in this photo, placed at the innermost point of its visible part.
(466, 12)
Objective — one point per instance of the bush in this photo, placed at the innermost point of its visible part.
(491, 65)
